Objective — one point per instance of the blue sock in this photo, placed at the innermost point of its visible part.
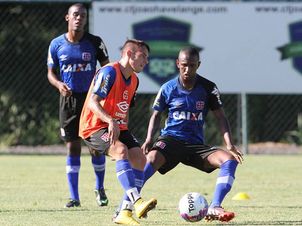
(98, 163)
(224, 181)
(73, 164)
(148, 171)
(126, 177)
(139, 182)
(125, 174)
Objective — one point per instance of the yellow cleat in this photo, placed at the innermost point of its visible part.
(143, 207)
(125, 217)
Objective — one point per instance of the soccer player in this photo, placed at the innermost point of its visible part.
(188, 98)
(72, 61)
(104, 124)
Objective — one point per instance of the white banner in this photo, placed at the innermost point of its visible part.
(242, 44)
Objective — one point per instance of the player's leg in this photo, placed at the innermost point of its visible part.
(73, 164)
(119, 152)
(69, 128)
(227, 164)
(99, 163)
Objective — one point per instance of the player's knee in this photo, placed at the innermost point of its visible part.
(155, 158)
(120, 152)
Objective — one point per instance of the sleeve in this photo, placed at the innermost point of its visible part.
(52, 58)
(101, 49)
(103, 81)
(214, 98)
(160, 100)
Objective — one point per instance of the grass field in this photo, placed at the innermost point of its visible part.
(33, 191)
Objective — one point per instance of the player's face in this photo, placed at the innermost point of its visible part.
(77, 18)
(187, 66)
(139, 59)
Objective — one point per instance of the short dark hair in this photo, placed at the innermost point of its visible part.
(80, 5)
(191, 50)
(139, 43)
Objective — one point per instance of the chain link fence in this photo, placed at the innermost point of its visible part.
(29, 104)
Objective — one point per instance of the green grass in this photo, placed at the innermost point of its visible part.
(33, 190)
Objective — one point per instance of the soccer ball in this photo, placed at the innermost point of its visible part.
(193, 207)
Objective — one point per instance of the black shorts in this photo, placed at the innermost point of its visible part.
(99, 141)
(70, 112)
(176, 151)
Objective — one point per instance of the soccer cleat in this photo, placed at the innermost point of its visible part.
(143, 207)
(73, 203)
(218, 213)
(125, 217)
(101, 198)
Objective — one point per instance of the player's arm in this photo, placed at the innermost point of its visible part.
(98, 110)
(61, 86)
(153, 127)
(226, 133)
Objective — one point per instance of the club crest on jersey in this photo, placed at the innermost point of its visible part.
(125, 95)
(86, 56)
(199, 105)
(160, 144)
(105, 137)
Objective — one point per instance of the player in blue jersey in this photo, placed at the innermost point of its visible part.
(188, 98)
(72, 61)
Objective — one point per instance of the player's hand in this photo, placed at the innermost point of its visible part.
(238, 155)
(147, 145)
(114, 131)
(65, 91)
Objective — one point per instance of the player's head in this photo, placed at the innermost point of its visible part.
(76, 17)
(188, 62)
(136, 53)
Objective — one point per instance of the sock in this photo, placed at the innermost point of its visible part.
(73, 164)
(224, 181)
(98, 163)
(126, 177)
(139, 182)
(148, 171)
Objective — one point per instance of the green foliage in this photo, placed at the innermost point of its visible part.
(295, 136)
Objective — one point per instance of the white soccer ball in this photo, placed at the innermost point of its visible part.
(193, 207)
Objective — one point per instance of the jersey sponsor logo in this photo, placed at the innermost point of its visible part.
(86, 56)
(76, 67)
(160, 144)
(186, 115)
(199, 105)
(217, 94)
(123, 106)
(63, 57)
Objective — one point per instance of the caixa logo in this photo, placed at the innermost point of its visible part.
(123, 106)
(76, 67)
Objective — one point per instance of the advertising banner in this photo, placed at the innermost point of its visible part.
(244, 47)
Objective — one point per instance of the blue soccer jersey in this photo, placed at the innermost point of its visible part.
(77, 61)
(187, 109)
